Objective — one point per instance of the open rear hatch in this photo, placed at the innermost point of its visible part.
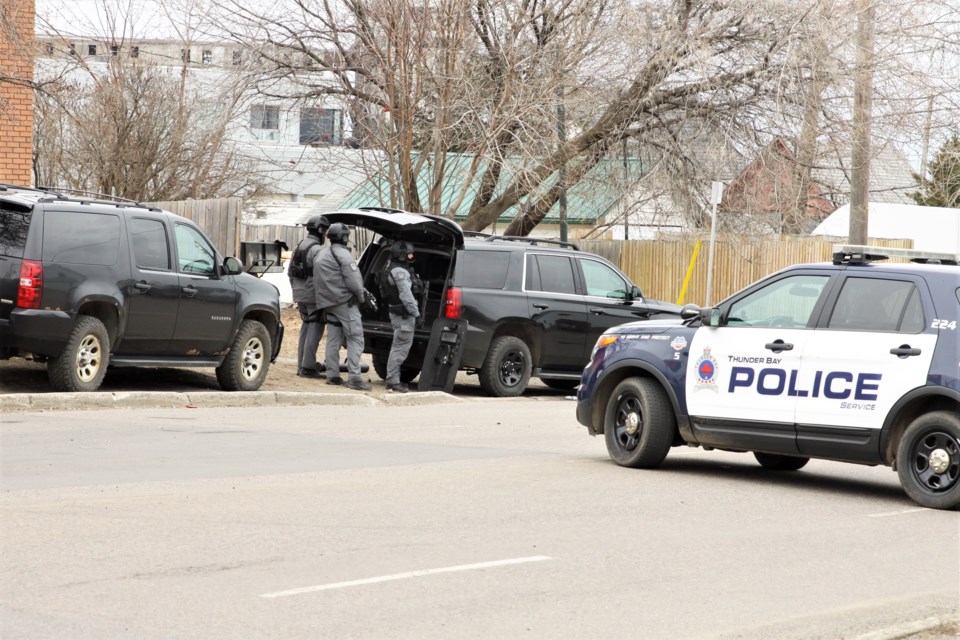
(418, 228)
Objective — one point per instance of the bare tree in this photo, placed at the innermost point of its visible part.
(139, 129)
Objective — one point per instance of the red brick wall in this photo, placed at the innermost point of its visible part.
(16, 95)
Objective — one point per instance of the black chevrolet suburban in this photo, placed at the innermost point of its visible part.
(86, 284)
(533, 307)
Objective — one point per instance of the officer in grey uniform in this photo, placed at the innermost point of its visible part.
(400, 284)
(339, 292)
(300, 274)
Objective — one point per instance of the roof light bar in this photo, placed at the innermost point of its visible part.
(862, 254)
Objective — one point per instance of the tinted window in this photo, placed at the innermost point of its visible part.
(483, 269)
(13, 231)
(603, 281)
(194, 253)
(75, 237)
(555, 274)
(872, 304)
(788, 302)
(149, 241)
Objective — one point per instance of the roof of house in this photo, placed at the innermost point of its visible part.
(587, 201)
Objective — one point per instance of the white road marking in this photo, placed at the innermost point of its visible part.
(403, 576)
(896, 513)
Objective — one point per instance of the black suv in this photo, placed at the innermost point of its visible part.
(86, 284)
(532, 306)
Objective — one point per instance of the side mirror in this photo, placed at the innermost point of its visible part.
(232, 266)
(635, 293)
(710, 317)
(689, 311)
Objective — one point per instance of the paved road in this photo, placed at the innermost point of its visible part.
(477, 519)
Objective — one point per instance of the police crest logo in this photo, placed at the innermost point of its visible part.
(678, 343)
(706, 372)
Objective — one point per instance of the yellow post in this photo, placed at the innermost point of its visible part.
(686, 281)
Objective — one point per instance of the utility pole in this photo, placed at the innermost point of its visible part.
(624, 199)
(862, 122)
(926, 139)
(562, 174)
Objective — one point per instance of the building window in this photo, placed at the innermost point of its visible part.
(237, 58)
(91, 49)
(49, 48)
(114, 50)
(71, 49)
(206, 56)
(135, 52)
(320, 126)
(185, 55)
(265, 122)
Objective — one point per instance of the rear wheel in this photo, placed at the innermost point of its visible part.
(83, 362)
(778, 462)
(246, 365)
(506, 370)
(639, 423)
(928, 460)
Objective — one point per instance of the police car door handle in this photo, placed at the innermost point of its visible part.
(905, 350)
(779, 345)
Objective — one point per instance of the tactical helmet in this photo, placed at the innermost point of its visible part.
(400, 250)
(338, 233)
(317, 225)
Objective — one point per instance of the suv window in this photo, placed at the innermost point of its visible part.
(872, 304)
(193, 252)
(603, 281)
(484, 269)
(149, 240)
(788, 302)
(14, 225)
(74, 237)
(553, 274)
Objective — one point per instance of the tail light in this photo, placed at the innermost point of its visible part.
(31, 285)
(453, 305)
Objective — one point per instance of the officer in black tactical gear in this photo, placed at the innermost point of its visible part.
(300, 273)
(339, 291)
(401, 286)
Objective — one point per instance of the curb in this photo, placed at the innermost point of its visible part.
(207, 399)
(908, 629)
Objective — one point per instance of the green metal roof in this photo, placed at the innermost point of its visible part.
(587, 201)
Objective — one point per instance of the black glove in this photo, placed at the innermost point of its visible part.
(369, 304)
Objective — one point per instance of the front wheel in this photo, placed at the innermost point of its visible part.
(83, 362)
(246, 365)
(639, 424)
(506, 370)
(928, 460)
(777, 462)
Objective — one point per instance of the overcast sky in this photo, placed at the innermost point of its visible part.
(139, 18)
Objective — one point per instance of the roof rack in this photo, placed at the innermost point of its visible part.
(382, 209)
(863, 254)
(536, 241)
(83, 192)
(476, 234)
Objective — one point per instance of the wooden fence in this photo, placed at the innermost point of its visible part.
(659, 267)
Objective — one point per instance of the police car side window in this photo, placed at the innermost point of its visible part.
(874, 304)
(788, 302)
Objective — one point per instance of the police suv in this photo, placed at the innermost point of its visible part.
(855, 361)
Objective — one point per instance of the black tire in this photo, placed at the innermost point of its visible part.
(407, 374)
(639, 424)
(506, 370)
(246, 365)
(562, 385)
(928, 460)
(83, 362)
(777, 462)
